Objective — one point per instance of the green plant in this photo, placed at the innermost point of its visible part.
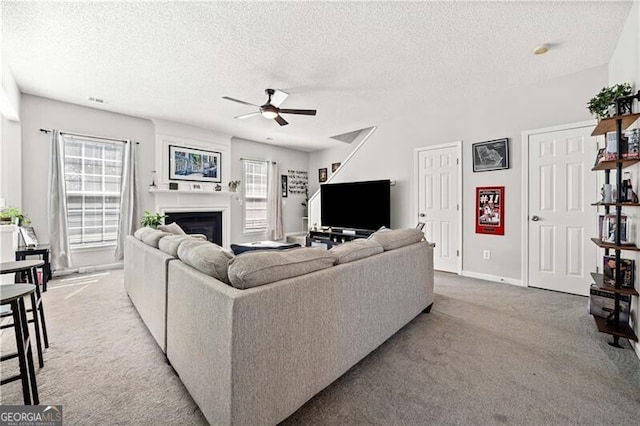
(152, 219)
(599, 104)
(14, 215)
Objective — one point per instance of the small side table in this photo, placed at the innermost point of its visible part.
(42, 250)
(13, 294)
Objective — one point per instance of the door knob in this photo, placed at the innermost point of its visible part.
(422, 215)
(535, 218)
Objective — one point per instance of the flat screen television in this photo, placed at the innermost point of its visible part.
(356, 205)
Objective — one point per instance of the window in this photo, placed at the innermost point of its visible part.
(93, 176)
(255, 196)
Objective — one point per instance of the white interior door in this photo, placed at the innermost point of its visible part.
(560, 218)
(438, 175)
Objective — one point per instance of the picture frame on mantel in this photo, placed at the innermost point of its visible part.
(193, 164)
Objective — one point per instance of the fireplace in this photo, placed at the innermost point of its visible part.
(207, 223)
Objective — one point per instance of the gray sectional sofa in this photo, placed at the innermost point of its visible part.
(253, 356)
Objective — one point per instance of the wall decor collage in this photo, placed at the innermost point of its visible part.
(488, 156)
(295, 182)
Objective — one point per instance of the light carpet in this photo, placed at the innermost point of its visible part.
(488, 353)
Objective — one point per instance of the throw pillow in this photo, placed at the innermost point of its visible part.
(263, 267)
(171, 244)
(172, 228)
(150, 236)
(140, 232)
(391, 239)
(206, 257)
(356, 249)
(240, 248)
(381, 229)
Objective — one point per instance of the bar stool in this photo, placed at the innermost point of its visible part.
(13, 295)
(30, 268)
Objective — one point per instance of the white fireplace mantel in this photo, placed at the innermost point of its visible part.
(190, 191)
(170, 200)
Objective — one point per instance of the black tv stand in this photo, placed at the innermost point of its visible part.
(335, 236)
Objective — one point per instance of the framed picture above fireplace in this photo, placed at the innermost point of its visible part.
(194, 164)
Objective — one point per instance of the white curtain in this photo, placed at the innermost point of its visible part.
(59, 238)
(129, 198)
(275, 229)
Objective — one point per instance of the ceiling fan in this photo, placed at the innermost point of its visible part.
(271, 109)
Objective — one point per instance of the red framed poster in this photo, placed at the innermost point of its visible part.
(490, 210)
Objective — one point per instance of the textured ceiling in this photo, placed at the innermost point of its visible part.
(359, 64)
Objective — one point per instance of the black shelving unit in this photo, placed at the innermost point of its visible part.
(617, 123)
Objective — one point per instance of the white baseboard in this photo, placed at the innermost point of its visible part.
(636, 348)
(90, 268)
(495, 278)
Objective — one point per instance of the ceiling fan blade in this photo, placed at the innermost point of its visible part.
(278, 97)
(281, 121)
(298, 111)
(239, 101)
(251, 114)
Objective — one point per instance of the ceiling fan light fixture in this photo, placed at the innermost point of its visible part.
(269, 111)
(269, 114)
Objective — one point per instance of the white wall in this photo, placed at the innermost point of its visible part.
(10, 162)
(10, 138)
(324, 159)
(172, 133)
(388, 154)
(292, 210)
(624, 67)
(37, 113)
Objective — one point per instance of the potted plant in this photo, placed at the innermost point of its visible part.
(600, 104)
(152, 219)
(233, 185)
(15, 216)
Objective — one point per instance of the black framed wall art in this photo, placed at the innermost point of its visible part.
(194, 164)
(491, 155)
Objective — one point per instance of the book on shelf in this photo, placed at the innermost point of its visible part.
(602, 303)
(627, 270)
(633, 144)
(599, 156)
(609, 227)
(600, 226)
(611, 151)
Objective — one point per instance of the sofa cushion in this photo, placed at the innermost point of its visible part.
(150, 236)
(263, 267)
(171, 243)
(356, 249)
(206, 257)
(391, 239)
(172, 228)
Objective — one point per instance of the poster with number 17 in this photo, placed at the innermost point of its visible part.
(490, 210)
